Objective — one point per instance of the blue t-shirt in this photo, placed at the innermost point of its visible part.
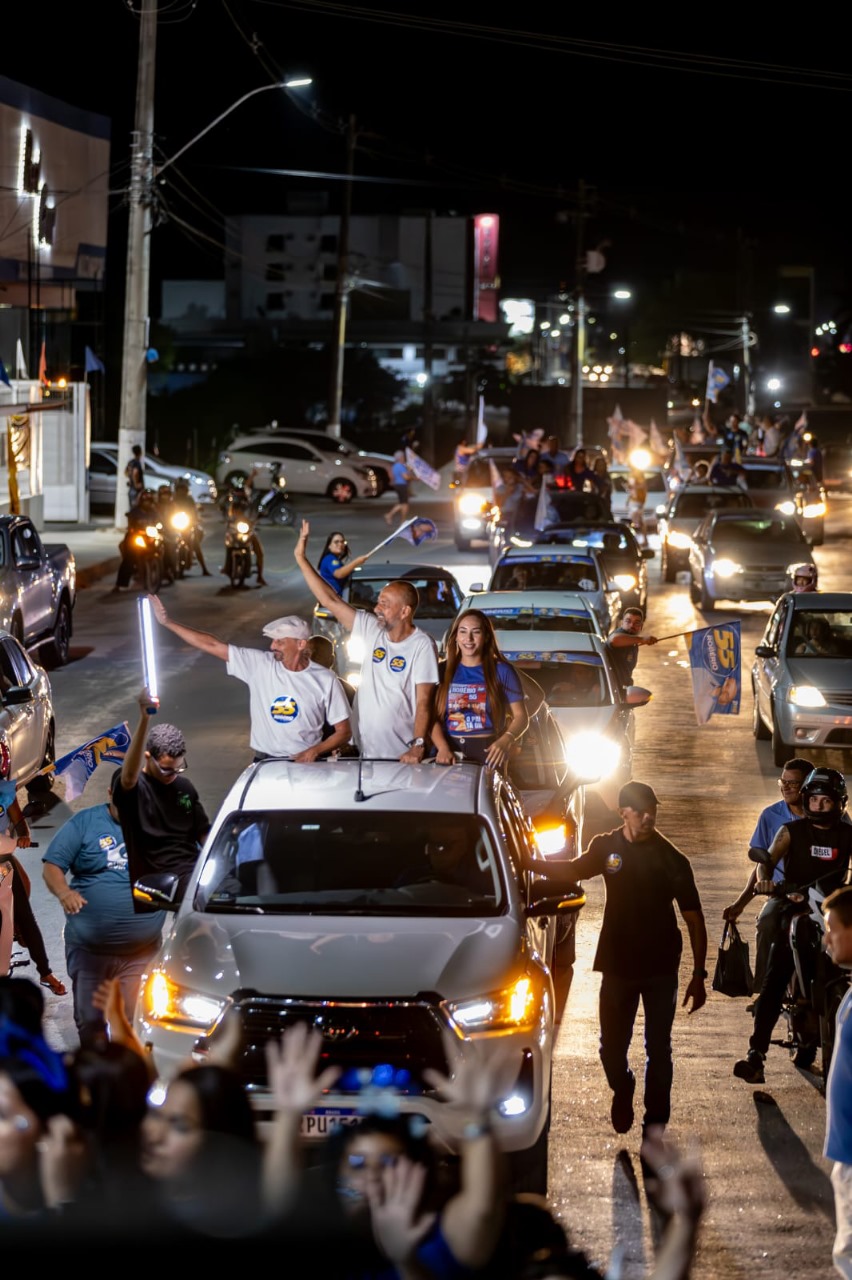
(468, 712)
(770, 821)
(91, 846)
(838, 1090)
(8, 792)
(327, 566)
(399, 473)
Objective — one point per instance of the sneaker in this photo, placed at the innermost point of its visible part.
(750, 1067)
(621, 1111)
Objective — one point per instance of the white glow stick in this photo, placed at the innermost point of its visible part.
(149, 651)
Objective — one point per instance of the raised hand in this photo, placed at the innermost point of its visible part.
(291, 1067)
(394, 1199)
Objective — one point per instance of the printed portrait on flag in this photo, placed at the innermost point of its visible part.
(714, 658)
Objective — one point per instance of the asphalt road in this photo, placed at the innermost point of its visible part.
(770, 1205)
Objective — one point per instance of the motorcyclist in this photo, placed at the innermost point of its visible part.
(184, 501)
(815, 847)
(805, 578)
(146, 512)
(240, 506)
(166, 504)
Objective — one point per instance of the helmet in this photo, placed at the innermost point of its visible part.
(825, 782)
(807, 572)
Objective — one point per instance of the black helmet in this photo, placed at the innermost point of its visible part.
(825, 782)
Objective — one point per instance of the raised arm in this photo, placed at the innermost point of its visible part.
(319, 588)
(134, 761)
(202, 640)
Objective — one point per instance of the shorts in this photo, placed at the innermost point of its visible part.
(401, 492)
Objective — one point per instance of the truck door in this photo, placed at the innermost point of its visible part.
(35, 578)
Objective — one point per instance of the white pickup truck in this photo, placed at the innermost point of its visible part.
(38, 590)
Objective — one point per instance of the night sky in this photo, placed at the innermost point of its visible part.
(700, 156)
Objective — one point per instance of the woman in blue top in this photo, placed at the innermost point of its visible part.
(480, 709)
(335, 565)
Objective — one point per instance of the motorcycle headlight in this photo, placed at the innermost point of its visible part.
(786, 508)
(515, 1006)
(471, 504)
(168, 1003)
(591, 756)
(138, 540)
(805, 695)
(726, 568)
(243, 526)
(180, 521)
(153, 530)
(625, 581)
(680, 541)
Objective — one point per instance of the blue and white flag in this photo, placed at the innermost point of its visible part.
(714, 657)
(717, 380)
(422, 470)
(93, 364)
(4, 377)
(418, 530)
(481, 425)
(78, 766)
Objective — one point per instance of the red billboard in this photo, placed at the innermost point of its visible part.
(486, 279)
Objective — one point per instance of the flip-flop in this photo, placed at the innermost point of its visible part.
(53, 984)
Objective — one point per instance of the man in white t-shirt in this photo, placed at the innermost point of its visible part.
(291, 697)
(393, 705)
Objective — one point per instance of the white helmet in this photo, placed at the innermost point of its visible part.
(804, 577)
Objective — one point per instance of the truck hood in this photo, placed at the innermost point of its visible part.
(340, 957)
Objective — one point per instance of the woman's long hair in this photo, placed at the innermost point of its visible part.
(497, 704)
(335, 533)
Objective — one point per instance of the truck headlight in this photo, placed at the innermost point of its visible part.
(726, 568)
(813, 510)
(167, 1003)
(680, 541)
(471, 504)
(786, 508)
(591, 756)
(515, 1006)
(805, 695)
(625, 581)
(550, 841)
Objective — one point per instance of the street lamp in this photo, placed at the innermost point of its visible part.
(625, 295)
(134, 379)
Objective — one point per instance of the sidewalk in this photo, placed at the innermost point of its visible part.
(95, 547)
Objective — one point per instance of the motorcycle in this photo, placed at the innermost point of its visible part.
(816, 985)
(147, 550)
(180, 539)
(238, 548)
(273, 505)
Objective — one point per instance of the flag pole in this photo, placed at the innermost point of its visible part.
(693, 630)
(384, 542)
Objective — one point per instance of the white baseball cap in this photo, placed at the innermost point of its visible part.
(289, 628)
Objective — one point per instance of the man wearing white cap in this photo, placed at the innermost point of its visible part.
(291, 697)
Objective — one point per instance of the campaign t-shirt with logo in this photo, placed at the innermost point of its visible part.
(817, 853)
(643, 879)
(386, 700)
(8, 795)
(468, 712)
(288, 708)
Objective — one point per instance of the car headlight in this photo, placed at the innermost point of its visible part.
(355, 649)
(471, 504)
(680, 541)
(165, 1002)
(550, 841)
(515, 1006)
(726, 568)
(814, 510)
(786, 508)
(592, 756)
(625, 581)
(805, 695)
(661, 509)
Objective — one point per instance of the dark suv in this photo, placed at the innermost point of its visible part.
(681, 515)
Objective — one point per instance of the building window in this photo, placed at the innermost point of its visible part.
(326, 302)
(329, 271)
(275, 302)
(328, 244)
(276, 270)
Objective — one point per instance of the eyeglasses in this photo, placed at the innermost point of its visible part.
(358, 1161)
(169, 772)
(790, 783)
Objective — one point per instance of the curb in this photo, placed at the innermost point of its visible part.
(94, 572)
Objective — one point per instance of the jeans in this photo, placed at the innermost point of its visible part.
(619, 1003)
(88, 969)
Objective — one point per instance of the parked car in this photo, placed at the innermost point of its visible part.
(104, 468)
(560, 570)
(584, 695)
(27, 725)
(380, 463)
(680, 515)
(440, 598)
(38, 589)
(774, 484)
(625, 560)
(564, 506)
(744, 555)
(473, 495)
(534, 612)
(386, 925)
(306, 467)
(802, 675)
(655, 483)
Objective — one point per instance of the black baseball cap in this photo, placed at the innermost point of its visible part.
(637, 795)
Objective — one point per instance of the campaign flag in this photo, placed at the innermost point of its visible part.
(42, 365)
(714, 658)
(4, 377)
(481, 426)
(542, 510)
(658, 444)
(802, 422)
(717, 380)
(496, 479)
(618, 435)
(93, 364)
(529, 440)
(422, 470)
(418, 530)
(20, 362)
(78, 766)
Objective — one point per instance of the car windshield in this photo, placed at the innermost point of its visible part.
(695, 505)
(729, 533)
(766, 478)
(352, 863)
(546, 574)
(535, 619)
(574, 681)
(823, 633)
(613, 541)
(439, 597)
(478, 473)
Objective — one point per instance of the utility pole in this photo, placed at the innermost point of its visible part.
(341, 291)
(748, 390)
(134, 368)
(579, 317)
(428, 318)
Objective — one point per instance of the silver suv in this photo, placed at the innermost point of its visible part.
(384, 904)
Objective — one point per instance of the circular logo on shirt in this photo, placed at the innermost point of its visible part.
(105, 843)
(613, 863)
(379, 654)
(284, 709)
(397, 664)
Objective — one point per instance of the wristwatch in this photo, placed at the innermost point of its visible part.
(417, 742)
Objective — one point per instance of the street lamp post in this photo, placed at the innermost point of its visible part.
(624, 295)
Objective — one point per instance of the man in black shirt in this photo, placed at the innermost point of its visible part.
(622, 645)
(815, 847)
(639, 950)
(161, 814)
